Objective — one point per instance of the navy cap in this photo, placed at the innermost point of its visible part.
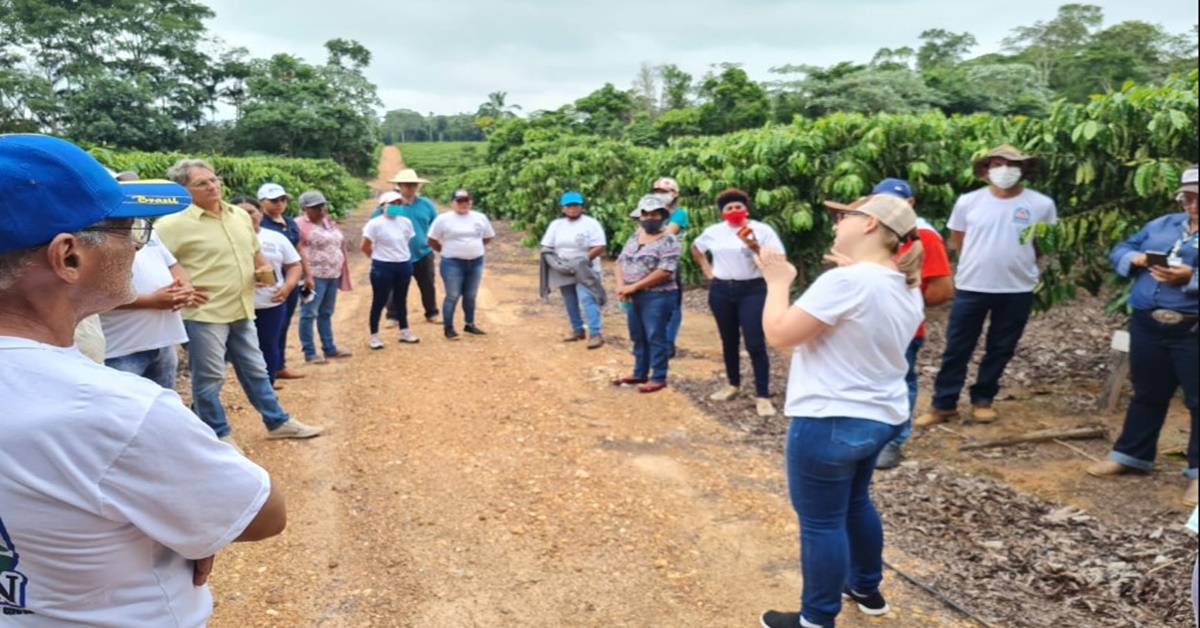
(571, 198)
(896, 187)
(50, 186)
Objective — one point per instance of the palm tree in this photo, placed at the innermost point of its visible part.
(495, 107)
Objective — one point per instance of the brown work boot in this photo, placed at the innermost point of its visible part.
(287, 374)
(595, 342)
(1191, 494)
(1110, 468)
(984, 413)
(575, 336)
(935, 416)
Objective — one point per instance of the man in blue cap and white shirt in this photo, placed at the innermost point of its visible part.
(115, 497)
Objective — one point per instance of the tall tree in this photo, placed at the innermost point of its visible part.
(732, 102)
(942, 48)
(646, 90)
(676, 88)
(1046, 44)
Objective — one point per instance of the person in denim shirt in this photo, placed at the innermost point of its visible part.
(1163, 339)
(646, 288)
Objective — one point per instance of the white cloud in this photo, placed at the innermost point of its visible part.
(447, 55)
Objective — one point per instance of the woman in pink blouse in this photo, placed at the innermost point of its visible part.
(330, 264)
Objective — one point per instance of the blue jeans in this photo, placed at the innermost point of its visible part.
(209, 346)
(389, 280)
(910, 378)
(648, 313)
(738, 308)
(320, 309)
(1008, 315)
(676, 321)
(830, 462)
(160, 366)
(461, 279)
(576, 296)
(270, 323)
(293, 301)
(1162, 358)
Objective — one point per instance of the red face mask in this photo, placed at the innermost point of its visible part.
(736, 217)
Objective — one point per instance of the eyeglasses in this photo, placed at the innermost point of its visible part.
(206, 183)
(138, 230)
(840, 215)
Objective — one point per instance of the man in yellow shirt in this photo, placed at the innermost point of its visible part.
(215, 242)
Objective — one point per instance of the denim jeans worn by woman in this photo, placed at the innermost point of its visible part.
(648, 314)
(737, 307)
(319, 310)
(461, 278)
(389, 280)
(269, 324)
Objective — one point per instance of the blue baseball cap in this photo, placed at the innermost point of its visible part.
(894, 187)
(571, 198)
(50, 186)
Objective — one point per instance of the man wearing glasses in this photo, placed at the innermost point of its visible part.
(102, 519)
(216, 243)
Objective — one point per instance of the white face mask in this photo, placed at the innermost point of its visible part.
(1004, 177)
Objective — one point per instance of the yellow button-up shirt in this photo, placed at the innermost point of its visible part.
(219, 254)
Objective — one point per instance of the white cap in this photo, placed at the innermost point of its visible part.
(649, 203)
(388, 197)
(272, 191)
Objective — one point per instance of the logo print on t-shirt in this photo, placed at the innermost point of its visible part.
(12, 582)
(581, 239)
(1021, 216)
(478, 229)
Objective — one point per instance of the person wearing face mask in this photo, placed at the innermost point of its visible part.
(737, 292)
(1162, 260)
(677, 226)
(645, 280)
(577, 241)
(385, 240)
(994, 281)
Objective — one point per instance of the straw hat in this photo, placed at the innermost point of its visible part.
(1029, 163)
(408, 175)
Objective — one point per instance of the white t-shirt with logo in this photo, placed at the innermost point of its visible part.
(389, 238)
(111, 489)
(856, 368)
(132, 331)
(993, 259)
(732, 260)
(461, 235)
(277, 250)
(572, 239)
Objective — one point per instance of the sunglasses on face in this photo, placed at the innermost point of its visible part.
(841, 215)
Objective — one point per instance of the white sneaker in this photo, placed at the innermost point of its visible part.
(228, 440)
(295, 429)
(764, 407)
(375, 342)
(725, 394)
(407, 336)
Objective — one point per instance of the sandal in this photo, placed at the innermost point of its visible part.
(650, 387)
(629, 381)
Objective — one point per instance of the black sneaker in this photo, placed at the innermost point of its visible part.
(474, 331)
(451, 334)
(776, 619)
(872, 604)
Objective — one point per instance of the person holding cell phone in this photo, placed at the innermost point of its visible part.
(1164, 348)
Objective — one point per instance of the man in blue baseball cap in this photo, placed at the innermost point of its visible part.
(115, 496)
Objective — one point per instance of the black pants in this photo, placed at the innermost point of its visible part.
(389, 284)
(424, 276)
(738, 307)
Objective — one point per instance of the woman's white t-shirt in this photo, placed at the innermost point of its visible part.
(132, 331)
(461, 235)
(389, 238)
(732, 259)
(856, 367)
(572, 239)
(278, 251)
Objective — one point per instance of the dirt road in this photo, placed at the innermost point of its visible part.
(501, 481)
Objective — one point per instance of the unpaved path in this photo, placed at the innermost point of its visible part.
(502, 482)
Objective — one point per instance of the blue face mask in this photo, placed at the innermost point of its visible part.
(394, 210)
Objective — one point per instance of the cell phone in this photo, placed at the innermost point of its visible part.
(1156, 258)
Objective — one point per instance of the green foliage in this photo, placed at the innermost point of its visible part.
(243, 175)
(1110, 165)
(435, 160)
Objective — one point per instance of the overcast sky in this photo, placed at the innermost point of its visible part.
(445, 56)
